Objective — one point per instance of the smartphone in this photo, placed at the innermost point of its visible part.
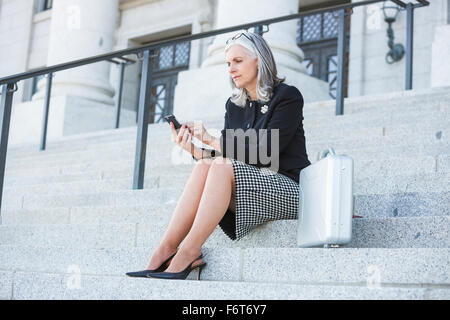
(171, 118)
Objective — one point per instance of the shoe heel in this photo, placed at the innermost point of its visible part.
(199, 270)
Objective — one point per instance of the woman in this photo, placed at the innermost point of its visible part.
(237, 194)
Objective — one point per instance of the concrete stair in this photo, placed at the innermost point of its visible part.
(402, 273)
(72, 225)
(404, 232)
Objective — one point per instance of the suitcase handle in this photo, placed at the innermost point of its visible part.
(326, 152)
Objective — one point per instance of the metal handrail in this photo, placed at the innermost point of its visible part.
(157, 44)
(8, 85)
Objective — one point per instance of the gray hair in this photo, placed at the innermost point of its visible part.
(267, 69)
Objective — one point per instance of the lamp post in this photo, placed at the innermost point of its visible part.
(397, 50)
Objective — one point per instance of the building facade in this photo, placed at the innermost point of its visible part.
(190, 79)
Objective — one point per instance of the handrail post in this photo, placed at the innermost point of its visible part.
(258, 30)
(48, 92)
(341, 49)
(409, 45)
(119, 93)
(143, 116)
(5, 118)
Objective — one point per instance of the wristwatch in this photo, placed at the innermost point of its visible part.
(213, 154)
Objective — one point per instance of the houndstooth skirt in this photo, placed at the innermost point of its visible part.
(260, 196)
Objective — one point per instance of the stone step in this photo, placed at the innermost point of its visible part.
(387, 120)
(424, 99)
(392, 165)
(356, 142)
(392, 265)
(81, 140)
(26, 178)
(439, 131)
(387, 146)
(365, 106)
(391, 204)
(166, 158)
(121, 169)
(165, 148)
(432, 124)
(418, 195)
(84, 172)
(429, 182)
(354, 121)
(123, 197)
(403, 204)
(430, 149)
(176, 155)
(435, 132)
(395, 184)
(380, 100)
(94, 186)
(28, 285)
(378, 103)
(407, 232)
(311, 266)
(11, 181)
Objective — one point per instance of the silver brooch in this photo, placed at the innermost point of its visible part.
(264, 108)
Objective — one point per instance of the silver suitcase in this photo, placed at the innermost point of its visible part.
(326, 201)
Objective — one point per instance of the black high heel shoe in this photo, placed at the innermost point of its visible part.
(182, 275)
(145, 273)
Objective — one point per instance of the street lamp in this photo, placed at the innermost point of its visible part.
(397, 50)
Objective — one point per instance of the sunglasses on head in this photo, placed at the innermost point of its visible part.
(238, 36)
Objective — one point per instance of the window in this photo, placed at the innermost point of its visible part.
(44, 5)
(169, 61)
(172, 57)
(317, 36)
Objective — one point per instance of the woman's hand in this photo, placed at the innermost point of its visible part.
(183, 138)
(198, 131)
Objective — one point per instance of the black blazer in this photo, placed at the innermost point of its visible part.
(284, 112)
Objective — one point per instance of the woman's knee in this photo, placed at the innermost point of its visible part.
(203, 164)
(221, 163)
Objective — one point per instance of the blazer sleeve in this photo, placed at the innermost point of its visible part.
(286, 117)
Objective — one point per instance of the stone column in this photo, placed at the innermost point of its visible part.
(80, 29)
(440, 68)
(203, 23)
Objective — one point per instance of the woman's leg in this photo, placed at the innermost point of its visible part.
(213, 204)
(184, 214)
